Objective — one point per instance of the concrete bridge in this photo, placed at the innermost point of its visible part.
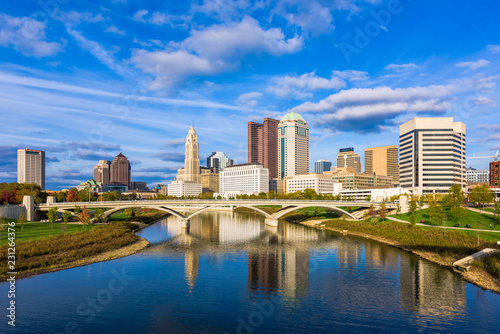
(196, 206)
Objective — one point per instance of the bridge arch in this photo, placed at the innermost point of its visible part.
(262, 212)
(291, 208)
(161, 208)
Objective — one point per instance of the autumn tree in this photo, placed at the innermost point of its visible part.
(84, 217)
(21, 220)
(382, 211)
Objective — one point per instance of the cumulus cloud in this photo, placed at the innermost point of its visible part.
(301, 86)
(174, 142)
(473, 65)
(249, 96)
(401, 67)
(310, 16)
(482, 100)
(139, 15)
(114, 30)
(214, 50)
(494, 48)
(74, 18)
(367, 109)
(27, 36)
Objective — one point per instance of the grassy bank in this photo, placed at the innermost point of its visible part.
(50, 253)
(36, 230)
(475, 219)
(446, 246)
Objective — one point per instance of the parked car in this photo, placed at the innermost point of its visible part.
(467, 226)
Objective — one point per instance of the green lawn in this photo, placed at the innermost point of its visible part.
(33, 230)
(475, 219)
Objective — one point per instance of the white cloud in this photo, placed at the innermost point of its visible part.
(99, 52)
(27, 36)
(113, 29)
(401, 67)
(139, 15)
(214, 50)
(494, 48)
(473, 65)
(249, 96)
(311, 16)
(366, 109)
(300, 87)
(482, 100)
(74, 18)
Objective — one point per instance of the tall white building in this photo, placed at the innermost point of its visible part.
(192, 159)
(431, 154)
(293, 146)
(31, 167)
(244, 179)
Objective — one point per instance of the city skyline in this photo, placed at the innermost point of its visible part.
(79, 68)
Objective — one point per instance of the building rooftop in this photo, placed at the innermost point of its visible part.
(293, 116)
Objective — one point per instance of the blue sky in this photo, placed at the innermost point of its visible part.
(83, 80)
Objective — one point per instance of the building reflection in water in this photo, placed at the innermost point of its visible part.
(191, 265)
(428, 290)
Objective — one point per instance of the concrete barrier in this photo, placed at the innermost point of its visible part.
(464, 264)
(12, 211)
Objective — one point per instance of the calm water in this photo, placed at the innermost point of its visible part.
(232, 274)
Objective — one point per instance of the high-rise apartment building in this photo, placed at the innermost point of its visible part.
(431, 154)
(321, 166)
(120, 172)
(494, 168)
(263, 145)
(293, 146)
(101, 172)
(31, 167)
(348, 158)
(218, 161)
(192, 158)
(383, 161)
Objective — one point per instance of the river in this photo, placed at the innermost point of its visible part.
(233, 274)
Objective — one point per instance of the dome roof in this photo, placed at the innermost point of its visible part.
(293, 116)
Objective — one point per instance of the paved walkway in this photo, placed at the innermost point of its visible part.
(445, 227)
(480, 211)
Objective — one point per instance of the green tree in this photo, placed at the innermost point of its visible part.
(433, 208)
(382, 211)
(84, 217)
(66, 216)
(77, 210)
(2, 226)
(455, 200)
(481, 195)
(413, 208)
(398, 210)
(496, 210)
(371, 211)
(52, 215)
(21, 220)
(421, 202)
(100, 217)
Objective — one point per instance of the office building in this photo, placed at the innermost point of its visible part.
(192, 158)
(263, 145)
(477, 175)
(374, 193)
(218, 161)
(351, 179)
(348, 158)
(101, 172)
(31, 167)
(184, 188)
(293, 146)
(120, 171)
(431, 155)
(322, 184)
(244, 179)
(494, 167)
(209, 182)
(139, 185)
(321, 166)
(383, 161)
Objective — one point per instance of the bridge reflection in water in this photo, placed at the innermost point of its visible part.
(283, 259)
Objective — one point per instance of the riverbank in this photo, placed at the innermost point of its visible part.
(442, 248)
(106, 242)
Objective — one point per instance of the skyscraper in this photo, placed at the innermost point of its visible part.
(192, 158)
(321, 166)
(31, 167)
(431, 154)
(293, 147)
(348, 158)
(218, 161)
(383, 161)
(101, 172)
(263, 145)
(120, 171)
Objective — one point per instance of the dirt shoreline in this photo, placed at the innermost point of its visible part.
(475, 276)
